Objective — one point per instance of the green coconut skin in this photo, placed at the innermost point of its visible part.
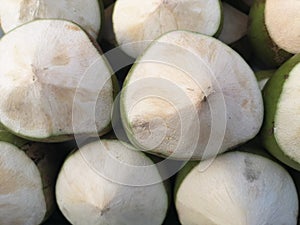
(218, 32)
(59, 138)
(6, 136)
(264, 74)
(264, 47)
(271, 94)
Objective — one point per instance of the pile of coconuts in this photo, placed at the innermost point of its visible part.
(154, 112)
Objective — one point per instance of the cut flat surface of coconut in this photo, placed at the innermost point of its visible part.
(234, 24)
(238, 189)
(22, 200)
(265, 49)
(184, 89)
(279, 97)
(53, 81)
(287, 120)
(85, 13)
(136, 23)
(282, 20)
(102, 183)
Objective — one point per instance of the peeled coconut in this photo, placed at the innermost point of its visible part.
(86, 14)
(190, 96)
(109, 182)
(136, 23)
(282, 121)
(235, 24)
(237, 188)
(274, 30)
(54, 82)
(28, 175)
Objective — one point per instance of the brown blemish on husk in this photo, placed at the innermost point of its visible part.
(250, 173)
(60, 60)
(245, 103)
(12, 181)
(72, 27)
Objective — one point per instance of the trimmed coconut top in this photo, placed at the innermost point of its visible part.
(138, 21)
(287, 119)
(21, 189)
(53, 81)
(238, 188)
(186, 89)
(282, 20)
(107, 182)
(85, 13)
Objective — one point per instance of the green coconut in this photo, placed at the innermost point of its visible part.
(87, 14)
(28, 176)
(263, 76)
(281, 124)
(190, 96)
(110, 182)
(55, 83)
(234, 30)
(234, 24)
(237, 188)
(274, 30)
(137, 23)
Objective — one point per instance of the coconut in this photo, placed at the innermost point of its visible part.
(109, 182)
(274, 30)
(54, 82)
(237, 188)
(136, 23)
(234, 30)
(28, 175)
(85, 13)
(234, 24)
(190, 96)
(281, 125)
